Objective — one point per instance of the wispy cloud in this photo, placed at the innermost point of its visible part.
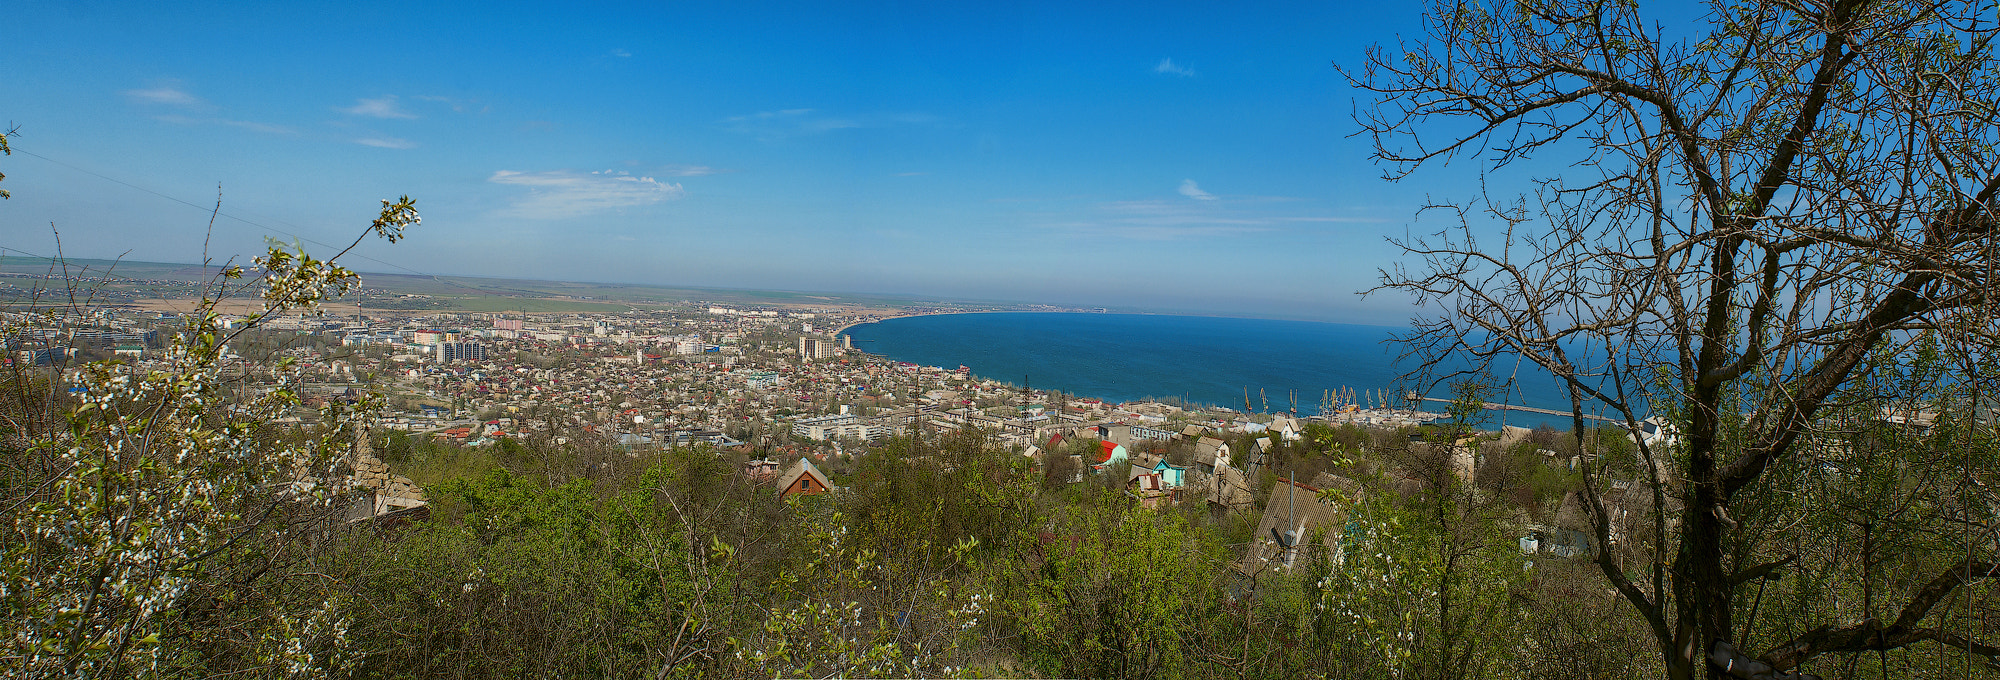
(1336, 220)
(385, 142)
(775, 125)
(266, 128)
(620, 52)
(196, 111)
(1167, 66)
(911, 174)
(1158, 220)
(456, 105)
(1192, 190)
(168, 95)
(385, 107)
(562, 193)
(688, 170)
(1172, 219)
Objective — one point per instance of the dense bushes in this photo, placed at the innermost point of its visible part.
(946, 555)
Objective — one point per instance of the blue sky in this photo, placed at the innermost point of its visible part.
(1167, 157)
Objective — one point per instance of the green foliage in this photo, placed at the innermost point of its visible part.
(1421, 597)
(5, 151)
(943, 490)
(855, 612)
(155, 489)
(1102, 591)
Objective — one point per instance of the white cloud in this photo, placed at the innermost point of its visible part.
(168, 95)
(386, 107)
(620, 52)
(561, 193)
(1169, 67)
(385, 142)
(1191, 190)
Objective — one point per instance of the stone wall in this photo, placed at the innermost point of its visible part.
(385, 491)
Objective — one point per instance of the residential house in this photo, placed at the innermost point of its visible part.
(1293, 514)
(1172, 476)
(1571, 531)
(1148, 488)
(762, 469)
(1260, 456)
(803, 478)
(1122, 434)
(1569, 534)
(1110, 453)
(1288, 428)
(1228, 490)
(1210, 453)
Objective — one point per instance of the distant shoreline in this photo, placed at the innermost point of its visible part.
(843, 329)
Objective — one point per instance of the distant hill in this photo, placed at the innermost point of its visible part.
(129, 278)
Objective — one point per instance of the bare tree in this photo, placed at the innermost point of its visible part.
(1749, 216)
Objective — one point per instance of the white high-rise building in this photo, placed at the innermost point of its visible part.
(816, 348)
(448, 352)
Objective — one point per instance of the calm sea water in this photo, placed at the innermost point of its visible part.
(1210, 360)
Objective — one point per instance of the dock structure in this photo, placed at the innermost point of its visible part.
(1530, 409)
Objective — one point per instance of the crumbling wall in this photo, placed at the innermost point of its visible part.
(383, 491)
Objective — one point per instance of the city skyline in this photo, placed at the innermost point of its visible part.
(1172, 159)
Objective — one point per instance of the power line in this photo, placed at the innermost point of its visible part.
(209, 209)
(216, 210)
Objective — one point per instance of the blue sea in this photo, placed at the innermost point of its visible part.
(1199, 359)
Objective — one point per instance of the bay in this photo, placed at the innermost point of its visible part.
(1200, 359)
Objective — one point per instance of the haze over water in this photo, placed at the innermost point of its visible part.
(1211, 360)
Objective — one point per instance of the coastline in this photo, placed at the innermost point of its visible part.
(1202, 359)
(843, 329)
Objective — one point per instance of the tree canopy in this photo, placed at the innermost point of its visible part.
(1754, 221)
